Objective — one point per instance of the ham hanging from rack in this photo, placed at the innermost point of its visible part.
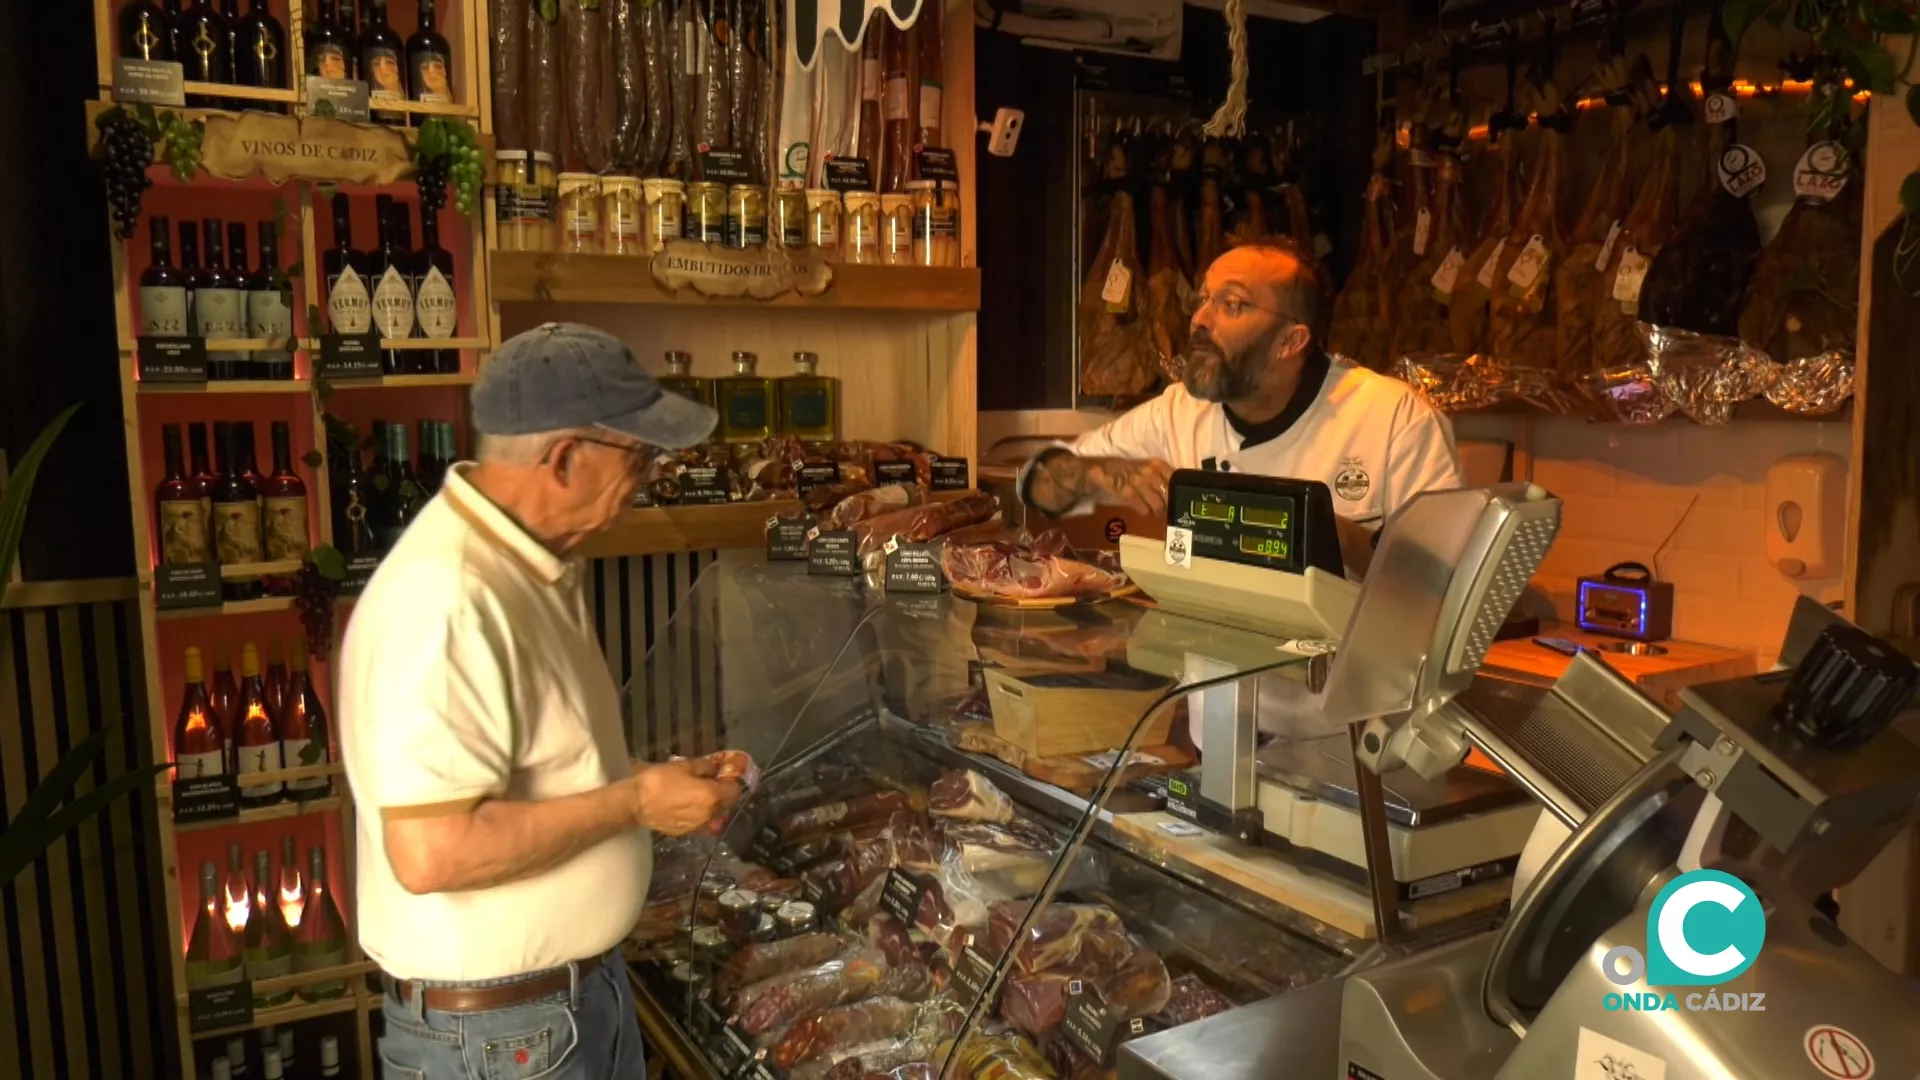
(1803, 301)
(1359, 327)
(1185, 152)
(1117, 354)
(1413, 231)
(1467, 313)
(1599, 224)
(1166, 288)
(1520, 307)
(1210, 239)
(1423, 327)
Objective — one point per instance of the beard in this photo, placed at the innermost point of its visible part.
(1213, 374)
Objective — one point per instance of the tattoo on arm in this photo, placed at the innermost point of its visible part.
(1058, 482)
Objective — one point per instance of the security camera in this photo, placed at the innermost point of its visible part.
(1004, 133)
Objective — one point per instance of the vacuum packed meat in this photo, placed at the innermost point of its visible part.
(508, 19)
(876, 806)
(919, 524)
(543, 81)
(930, 55)
(584, 31)
(683, 57)
(779, 1001)
(873, 83)
(1190, 999)
(965, 794)
(1040, 568)
(767, 959)
(1056, 935)
(884, 932)
(846, 1025)
(1117, 354)
(872, 503)
(743, 80)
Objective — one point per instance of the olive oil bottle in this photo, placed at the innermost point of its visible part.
(689, 386)
(809, 402)
(745, 401)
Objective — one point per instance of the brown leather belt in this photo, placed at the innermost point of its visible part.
(466, 999)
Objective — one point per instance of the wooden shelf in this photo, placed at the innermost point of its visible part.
(231, 607)
(309, 344)
(286, 1014)
(242, 93)
(277, 812)
(163, 789)
(391, 382)
(537, 277)
(663, 530)
(230, 386)
(340, 972)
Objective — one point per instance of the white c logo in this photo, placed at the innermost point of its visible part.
(1673, 919)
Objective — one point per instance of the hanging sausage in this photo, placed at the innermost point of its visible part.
(629, 86)
(930, 51)
(543, 80)
(900, 127)
(509, 63)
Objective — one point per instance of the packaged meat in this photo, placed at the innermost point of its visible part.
(1190, 999)
(1803, 300)
(1007, 1056)
(656, 74)
(712, 118)
(543, 77)
(742, 80)
(873, 83)
(892, 1054)
(629, 86)
(1520, 301)
(1117, 354)
(910, 981)
(930, 54)
(1056, 935)
(872, 503)
(1360, 321)
(1648, 227)
(919, 524)
(968, 796)
(898, 122)
(988, 848)
(1041, 568)
(763, 961)
(1467, 314)
(508, 20)
(1422, 328)
(877, 806)
(918, 844)
(784, 998)
(682, 28)
(861, 1022)
(822, 499)
(583, 35)
(1600, 221)
(1167, 290)
(1036, 1003)
(884, 932)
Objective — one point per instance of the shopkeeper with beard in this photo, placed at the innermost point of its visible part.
(1260, 395)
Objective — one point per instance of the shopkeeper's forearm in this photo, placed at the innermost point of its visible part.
(500, 841)
(1060, 481)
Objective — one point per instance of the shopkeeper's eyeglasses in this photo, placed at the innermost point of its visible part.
(1232, 305)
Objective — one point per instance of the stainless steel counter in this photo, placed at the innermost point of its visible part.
(1293, 1037)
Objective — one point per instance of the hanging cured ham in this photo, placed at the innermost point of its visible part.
(1467, 311)
(1520, 304)
(1423, 327)
(1359, 329)
(1600, 221)
(1117, 354)
(1166, 288)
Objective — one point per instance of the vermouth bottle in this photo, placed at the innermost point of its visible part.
(436, 305)
(256, 740)
(321, 942)
(349, 299)
(268, 950)
(213, 952)
(392, 293)
(199, 749)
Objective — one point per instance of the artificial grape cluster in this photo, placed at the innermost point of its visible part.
(432, 179)
(182, 144)
(313, 597)
(447, 154)
(127, 150)
(465, 170)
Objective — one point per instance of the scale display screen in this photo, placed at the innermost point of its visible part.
(1269, 522)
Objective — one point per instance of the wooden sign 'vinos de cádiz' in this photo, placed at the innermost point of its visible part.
(318, 148)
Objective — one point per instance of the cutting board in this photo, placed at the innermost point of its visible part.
(1661, 677)
(1074, 772)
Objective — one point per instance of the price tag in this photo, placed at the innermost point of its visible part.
(900, 896)
(1181, 830)
(950, 474)
(1721, 108)
(1606, 249)
(1626, 281)
(1821, 173)
(893, 472)
(817, 475)
(1528, 267)
(834, 553)
(1322, 247)
(848, 174)
(735, 1046)
(350, 356)
(705, 485)
(765, 843)
(171, 359)
(194, 585)
(220, 1006)
(205, 798)
(1088, 1023)
(787, 539)
(149, 82)
(913, 568)
(1448, 273)
(360, 570)
(1742, 171)
(973, 971)
(342, 99)
(937, 163)
(1485, 276)
(719, 165)
(1422, 226)
(1119, 282)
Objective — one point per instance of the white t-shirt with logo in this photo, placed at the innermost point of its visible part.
(1368, 437)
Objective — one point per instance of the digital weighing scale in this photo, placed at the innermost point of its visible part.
(1259, 559)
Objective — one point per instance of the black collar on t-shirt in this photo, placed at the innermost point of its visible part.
(1313, 372)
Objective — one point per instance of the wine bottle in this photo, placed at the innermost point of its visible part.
(250, 472)
(285, 499)
(321, 942)
(429, 66)
(204, 49)
(260, 49)
(145, 32)
(219, 306)
(293, 888)
(256, 741)
(198, 747)
(399, 501)
(213, 954)
(181, 516)
(304, 738)
(174, 19)
(430, 468)
(329, 1056)
(226, 703)
(236, 517)
(276, 681)
(392, 296)
(436, 305)
(352, 498)
(230, 14)
(163, 290)
(349, 304)
(380, 62)
(269, 314)
(328, 45)
(242, 281)
(202, 478)
(284, 1044)
(350, 27)
(233, 893)
(268, 949)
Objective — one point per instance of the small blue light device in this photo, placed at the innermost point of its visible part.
(1626, 602)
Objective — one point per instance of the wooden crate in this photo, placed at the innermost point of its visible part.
(1051, 713)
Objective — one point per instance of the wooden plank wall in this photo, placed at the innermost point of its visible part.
(83, 984)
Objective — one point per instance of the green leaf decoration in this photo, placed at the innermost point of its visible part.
(43, 820)
(329, 562)
(18, 491)
(550, 10)
(1871, 67)
(1738, 15)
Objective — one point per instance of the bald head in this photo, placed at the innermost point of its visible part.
(1283, 277)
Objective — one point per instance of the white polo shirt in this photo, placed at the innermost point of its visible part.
(1368, 437)
(471, 671)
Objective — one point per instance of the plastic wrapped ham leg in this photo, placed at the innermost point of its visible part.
(765, 960)
(779, 1001)
(584, 32)
(1056, 935)
(965, 794)
(508, 19)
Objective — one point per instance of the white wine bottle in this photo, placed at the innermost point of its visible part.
(213, 952)
(269, 949)
(321, 942)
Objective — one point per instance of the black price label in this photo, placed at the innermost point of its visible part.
(973, 971)
(950, 474)
(761, 1069)
(812, 891)
(1487, 37)
(205, 798)
(914, 568)
(893, 472)
(350, 356)
(341, 99)
(849, 174)
(172, 359)
(705, 485)
(900, 896)
(708, 1016)
(836, 553)
(787, 538)
(1588, 14)
(818, 475)
(1088, 1023)
(220, 1006)
(937, 163)
(192, 585)
(719, 165)
(735, 1045)
(149, 82)
(360, 570)
(765, 843)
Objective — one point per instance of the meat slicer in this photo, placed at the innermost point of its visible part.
(1790, 781)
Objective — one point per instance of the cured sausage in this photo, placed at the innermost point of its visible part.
(543, 82)
(508, 66)
(629, 86)
(584, 28)
(899, 123)
(711, 118)
(656, 59)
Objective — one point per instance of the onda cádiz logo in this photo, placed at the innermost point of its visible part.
(1705, 927)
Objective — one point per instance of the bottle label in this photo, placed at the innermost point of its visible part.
(286, 528)
(930, 106)
(935, 223)
(163, 311)
(236, 532)
(196, 766)
(747, 411)
(262, 963)
(301, 754)
(183, 533)
(431, 83)
(268, 315)
(259, 759)
(381, 67)
(866, 233)
(871, 78)
(896, 98)
(349, 309)
(393, 304)
(219, 313)
(438, 308)
(329, 62)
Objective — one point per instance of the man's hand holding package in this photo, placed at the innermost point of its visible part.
(683, 795)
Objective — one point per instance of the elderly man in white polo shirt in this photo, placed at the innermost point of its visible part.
(503, 833)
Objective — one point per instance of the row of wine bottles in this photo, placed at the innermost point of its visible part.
(266, 722)
(213, 295)
(374, 503)
(279, 1057)
(267, 928)
(399, 291)
(230, 514)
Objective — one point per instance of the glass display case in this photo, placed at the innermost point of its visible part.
(926, 880)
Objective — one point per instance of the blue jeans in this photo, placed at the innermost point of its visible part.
(587, 1033)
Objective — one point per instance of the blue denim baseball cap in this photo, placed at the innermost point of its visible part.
(566, 375)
